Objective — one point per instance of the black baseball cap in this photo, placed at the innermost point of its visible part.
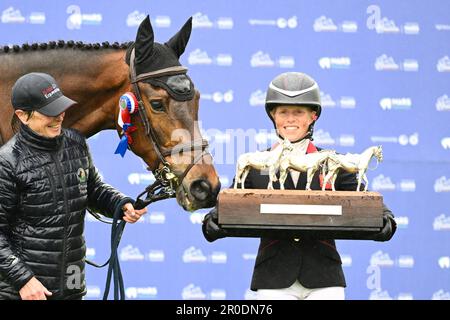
(39, 92)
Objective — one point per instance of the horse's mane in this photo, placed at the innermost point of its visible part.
(61, 44)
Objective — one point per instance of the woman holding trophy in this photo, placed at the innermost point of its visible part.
(304, 268)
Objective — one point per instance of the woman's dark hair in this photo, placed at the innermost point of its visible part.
(15, 121)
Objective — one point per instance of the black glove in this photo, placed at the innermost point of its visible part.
(210, 227)
(388, 230)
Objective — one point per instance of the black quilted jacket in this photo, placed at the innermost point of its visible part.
(45, 186)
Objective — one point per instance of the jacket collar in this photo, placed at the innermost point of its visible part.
(31, 138)
(311, 148)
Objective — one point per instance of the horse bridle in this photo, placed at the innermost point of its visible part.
(166, 181)
(164, 186)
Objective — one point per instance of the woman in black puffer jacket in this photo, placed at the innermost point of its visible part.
(47, 179)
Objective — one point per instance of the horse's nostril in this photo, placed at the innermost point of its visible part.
(205, 185)
(200, 189)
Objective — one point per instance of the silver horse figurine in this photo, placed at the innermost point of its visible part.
(352, 163)
(261, 160)
(308, 163)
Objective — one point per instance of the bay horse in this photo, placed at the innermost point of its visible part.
(166, 135)
(352, 163)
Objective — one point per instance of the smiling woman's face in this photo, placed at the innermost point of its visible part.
(292, 122)
(49, 127)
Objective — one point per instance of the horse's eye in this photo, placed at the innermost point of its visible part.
(157, 105)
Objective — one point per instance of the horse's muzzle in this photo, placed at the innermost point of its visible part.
(203, 193)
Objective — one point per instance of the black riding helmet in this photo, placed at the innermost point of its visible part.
(294, 88)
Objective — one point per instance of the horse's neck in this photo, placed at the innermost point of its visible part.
(93, 78)
(367, 155)
(99, 94)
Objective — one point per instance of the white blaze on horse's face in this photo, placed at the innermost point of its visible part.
(292, 122)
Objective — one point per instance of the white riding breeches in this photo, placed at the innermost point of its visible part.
(299, 292)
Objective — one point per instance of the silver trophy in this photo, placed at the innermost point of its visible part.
(283, 158)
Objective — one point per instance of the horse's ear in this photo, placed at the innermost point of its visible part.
(179, 41)
(144, 41)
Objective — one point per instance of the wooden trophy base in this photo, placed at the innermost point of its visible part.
(281, 214)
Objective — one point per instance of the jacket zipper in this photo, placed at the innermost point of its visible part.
(66, 217)
(53, 186)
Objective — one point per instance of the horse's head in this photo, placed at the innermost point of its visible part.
(284, 151)
(378, 152)
(286, 146)
(167, 135)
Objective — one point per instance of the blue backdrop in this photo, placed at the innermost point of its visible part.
(384, 71)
